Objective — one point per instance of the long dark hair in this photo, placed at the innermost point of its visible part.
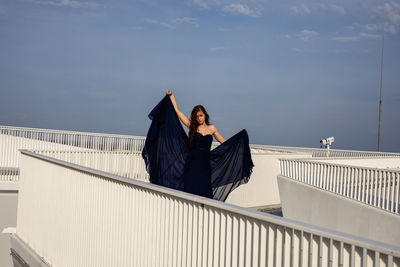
(194, 124)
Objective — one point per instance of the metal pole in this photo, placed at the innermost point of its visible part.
(380, 97)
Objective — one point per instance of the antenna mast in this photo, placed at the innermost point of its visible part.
(380, 96)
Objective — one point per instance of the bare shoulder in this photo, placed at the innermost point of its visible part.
(213, 128)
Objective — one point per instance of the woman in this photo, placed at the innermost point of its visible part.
(197, 173)
(176, 161)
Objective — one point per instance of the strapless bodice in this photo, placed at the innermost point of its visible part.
(203, 142)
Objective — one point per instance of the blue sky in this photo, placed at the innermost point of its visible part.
(290, 72)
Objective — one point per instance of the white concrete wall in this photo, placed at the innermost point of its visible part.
(8, 218)
(262, 188)
(302, 202)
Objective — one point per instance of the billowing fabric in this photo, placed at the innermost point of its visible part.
(198, 170)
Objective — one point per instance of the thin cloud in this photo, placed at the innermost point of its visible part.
(68, 3)
(350, 27)
(389, 28)
(333, 8)
(378, 28)
(174, 23)
(389, 12)
(389, 16)
(353, 26)
(345, 38)
(365, 36)
(217, 48)
(188, 20)
(156, 22)
(372, 27)
(137, 28)
(301, 9)
(360, 36)
(200, 3)
(304, 9)
(241, 10)
(307, 35)
(151, 21)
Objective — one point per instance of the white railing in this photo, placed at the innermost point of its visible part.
(9, 146)
(370, 162)
(9, 174)
(14, 138)
(112, 142)
(96, 141)
(376, 187)
(320, 152)
(74, 216)
(127, 164)
(56, 139)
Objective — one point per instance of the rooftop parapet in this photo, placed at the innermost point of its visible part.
(75, 216)
(353, 199)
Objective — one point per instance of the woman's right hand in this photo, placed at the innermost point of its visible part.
(168, 92)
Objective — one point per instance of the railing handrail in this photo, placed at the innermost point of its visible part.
(310, 149)
(69, 132)
(344, 158)
(314, 161)
(39, 151)
(341, 237)
(254, 146)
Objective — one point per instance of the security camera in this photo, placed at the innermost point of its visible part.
(327, 142)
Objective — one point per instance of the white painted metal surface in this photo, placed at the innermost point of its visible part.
(308, 204)
(14, 138)
(48, 139)
(370, 162)
(376, 187)
(320, 152)
(9, 174)
(262, 188)
(74, 216)
(98, 141)
(8, 218)
(9, 146)
(127, 164)
(132, 165)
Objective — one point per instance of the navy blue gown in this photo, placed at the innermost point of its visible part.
(170, 162)
(197, 173)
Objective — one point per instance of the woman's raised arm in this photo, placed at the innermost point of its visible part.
(181, 116)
